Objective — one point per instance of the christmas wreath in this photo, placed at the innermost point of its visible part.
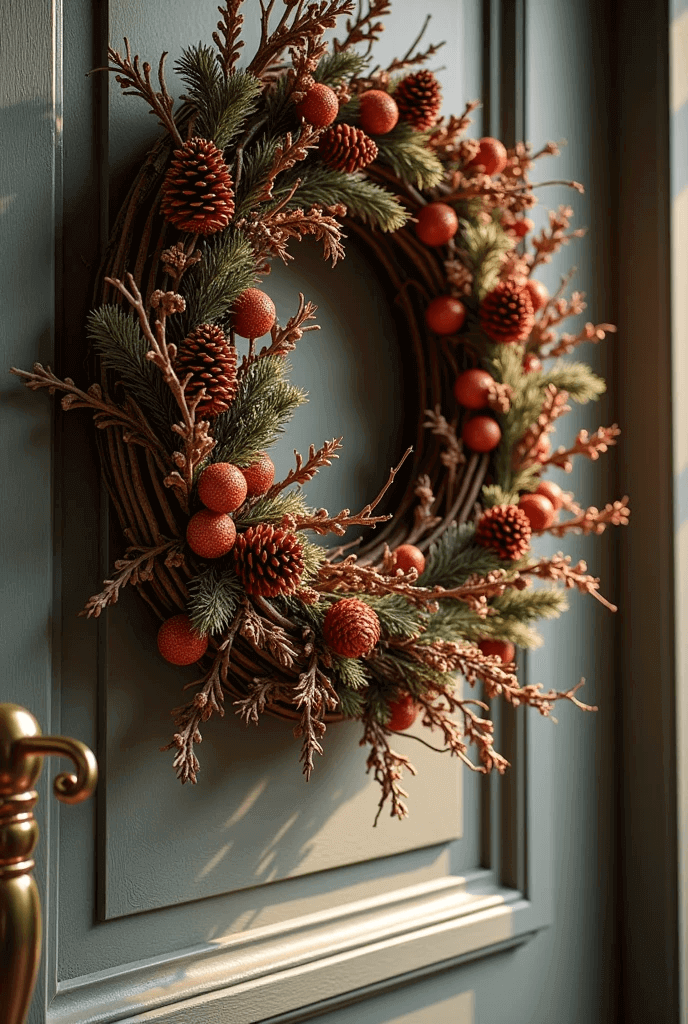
(308, 138)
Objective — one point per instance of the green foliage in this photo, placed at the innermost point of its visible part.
(577, 379)
(482, 247)
(311, 616)
(454, 557)
(313, 557)
(404, 150)
(223, 105)
(334, 68)
(351, 703)
(350, 672)
(363, 199)
(214, 597)
(527, 397)
(398, 619)
(257, 162)
(228, 267)
(263, 405)
(269, 510)
(116, 337)
(493, 494)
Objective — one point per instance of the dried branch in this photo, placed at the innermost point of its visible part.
(592, 520)
(314, 695)
(558, 568)
(265, 635)
(271, 235)
(591, 332)
(364, 28)
(105, 412)
(227, 38)
(588, 445)
(303, 473)
(137, 567)
(310, 24)
(411, 58)
(322, 523)
(452, 456)
(529, 449)
(284, 339)
(387, 767)
(133, 83)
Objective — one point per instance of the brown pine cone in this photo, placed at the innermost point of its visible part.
(211, 360)
(351, 628)
(506, 529)
(345, 148)
(419, 99)
(268, 560)
(197, 193)
(506, 313)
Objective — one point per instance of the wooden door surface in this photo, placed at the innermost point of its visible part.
(255, 896)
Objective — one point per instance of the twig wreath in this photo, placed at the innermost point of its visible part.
(252, 159)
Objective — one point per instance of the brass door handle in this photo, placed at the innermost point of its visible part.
(22, 749)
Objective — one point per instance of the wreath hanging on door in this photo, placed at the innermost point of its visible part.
(194, 389)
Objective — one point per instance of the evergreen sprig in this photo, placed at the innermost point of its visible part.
(577, 379)
(117, 339)
(257, 163)
(482, 248)
(455, 556)
(214, 597)
(227, 268)
(269, 510)
(350, 672)
(363, 199)
(404, 150)
(223, 104)
(263, 405)
(398, 619)
(335, 68)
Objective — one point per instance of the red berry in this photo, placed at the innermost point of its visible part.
(491, 156)
(319, 106)
(538, 293)
(499, 648)
(445, 315)
(210, 534)
(408, 556)
(481, 434)
(222, 487)
(379, 112)
(472, 387)
(521, 226)
(259, 476)
(437, 224)
(552, 491)
(531, 363)
(404, 713)
(253, 313)
(179, 643)
(539, 509)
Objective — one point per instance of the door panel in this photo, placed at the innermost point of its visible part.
(255, 896)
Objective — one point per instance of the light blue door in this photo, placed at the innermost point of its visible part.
(254, 896)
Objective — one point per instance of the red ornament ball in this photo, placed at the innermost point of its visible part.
(179, 643)
(445, 315)
(437, 224)
(253, 313)
(491, 156)
(481, 434)
(222, 487)
(538, 293)
(404, 713)
(259, 476)
(539, 509)
(531, 363)
(379, 112)
(472, 388)
(319, 106)
(351, 628)
(408, 556)
(552, 491)
(210, 534)
(499, 649)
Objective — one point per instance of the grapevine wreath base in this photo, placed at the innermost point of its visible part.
(306, 140)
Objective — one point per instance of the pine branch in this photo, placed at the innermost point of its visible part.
(364, 200)
(455, 557)
(336, 68)
(228, 268)
(214, 597)
(223, 104)
(482, 248)
(577, 379)
(405, 150)
(269, 509)
(116, 337)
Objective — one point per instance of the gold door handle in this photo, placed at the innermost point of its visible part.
(22, 749)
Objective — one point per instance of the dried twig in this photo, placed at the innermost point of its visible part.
(387, 767)
(137, 567)
(227, 38)
(303, 473)
(134, 83)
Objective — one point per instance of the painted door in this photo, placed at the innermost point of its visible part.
(253, 896)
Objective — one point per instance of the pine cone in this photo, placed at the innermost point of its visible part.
(351, 628)
(345, 148)
(268, 560)
(211, 361)
(506, 313)
(506, 529)
(419, 100)
(197, 193)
